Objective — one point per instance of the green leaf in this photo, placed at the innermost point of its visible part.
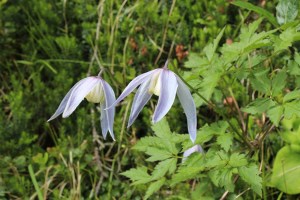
(163, 167)
(291, 96)
(211, 48)
(279, 82)
(250, 174)
(261, 82)
(223, 178)
(258, 10)
(286, 38)
(185, 174)
(157, 154)
(292, 108)
(207, 86)
(225, 141)
(138, 175)
(287, 11)
(162, 129)
(195, 60)
(206, 133)
(154, 187)
(275, 113)
(286, 171)
(259, 106)
(237, 160)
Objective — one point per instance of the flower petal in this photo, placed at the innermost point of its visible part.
(63, 103)
(167, 94)
(140, 99)
(108, 114)
(188, 152)
(187, 102)
(132, 85)
(78, 94)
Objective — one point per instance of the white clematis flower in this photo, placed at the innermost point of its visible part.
(165, 84)
(95, 90)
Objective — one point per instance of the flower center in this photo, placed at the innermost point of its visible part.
(96, 95)
(155, 83)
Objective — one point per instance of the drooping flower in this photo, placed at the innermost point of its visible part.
(193, 149)
(95, 90)
(165, 84)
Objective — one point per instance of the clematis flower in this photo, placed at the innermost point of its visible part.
(165, 84)
(95, 90)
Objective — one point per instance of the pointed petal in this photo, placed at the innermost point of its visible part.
(167, 94)
(78, 94)
(140, 99)
(64, 102)
(132, 85)
(103, 120)
(187, 102)
(108, 122)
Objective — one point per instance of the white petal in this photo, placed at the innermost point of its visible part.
(187, 102)
(167, 94)
(132, 85)
(63, 103)
(108, 122)
(78, 94)
(188, 152)
(140, 99)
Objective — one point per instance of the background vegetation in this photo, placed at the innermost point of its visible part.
(240, 60)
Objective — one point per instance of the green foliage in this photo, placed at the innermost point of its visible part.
(287, 11)
(240, 62)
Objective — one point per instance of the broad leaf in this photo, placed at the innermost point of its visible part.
(286, 171)
(287, 11)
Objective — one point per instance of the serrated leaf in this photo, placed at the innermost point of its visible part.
(287, 11)
(237, 160)
(211, 48)
(275, 113)
(225, 141)
(223, 178)
(138, 175)
(250, 174)
(292, 108)
(157, 154)
(163, 167)
(154, 187)
(279, 82)
(196, 61)
(261, 82)
(162, 129)
(206, 133)
(259, 106)
(291, 96)
(207, 86)
(185, 174)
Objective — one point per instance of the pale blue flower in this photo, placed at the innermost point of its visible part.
(165, 84)
(95, 90)
(196, 148)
